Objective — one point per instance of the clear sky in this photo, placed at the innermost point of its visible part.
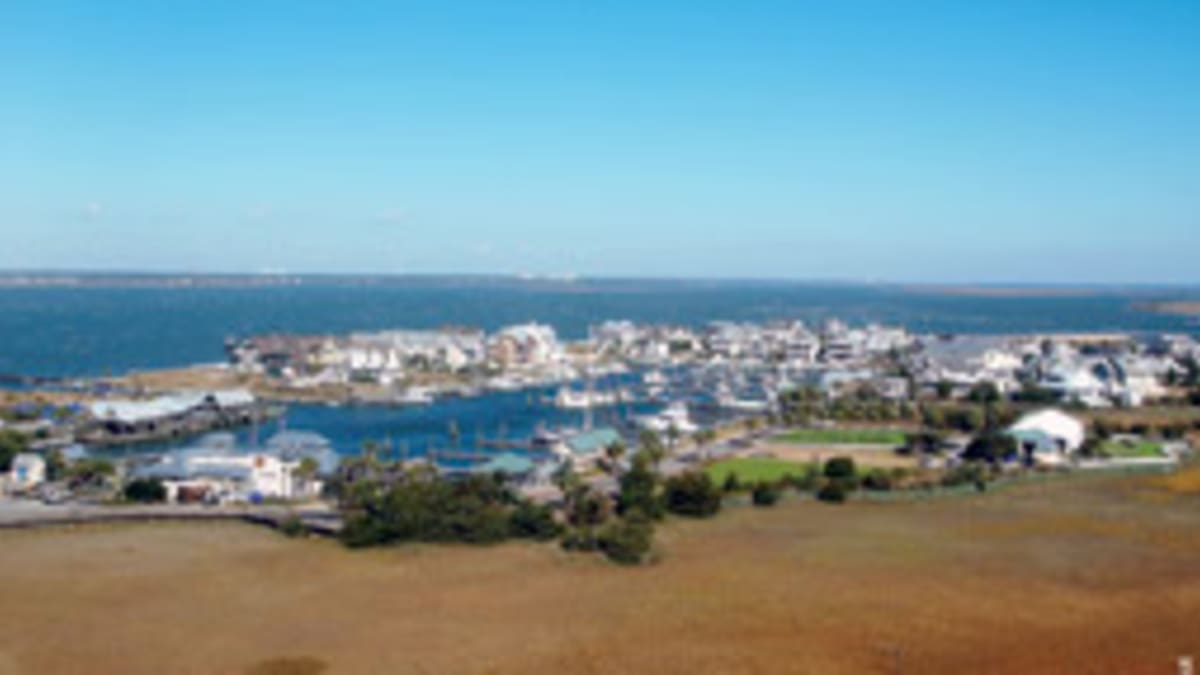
(958, 141)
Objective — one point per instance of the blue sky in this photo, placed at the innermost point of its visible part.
(908, 141)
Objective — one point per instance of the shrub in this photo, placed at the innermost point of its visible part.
(732, 484)
(692, 494)
(292, 527)
(587, 508)
(627, 541)
(833, 492)
(145, 491)
(361, 531)
(581, 539)
(809, 480)
(840, 468)
(532, 521)
(878, 480)
(974, 473)
(765, 494)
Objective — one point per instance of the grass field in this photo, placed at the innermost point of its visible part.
(1071, 576)
(754, 469)
(1138, 449)
(842, 436)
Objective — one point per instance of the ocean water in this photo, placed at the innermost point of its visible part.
(97, 331)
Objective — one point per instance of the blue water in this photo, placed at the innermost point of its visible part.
(97, 331)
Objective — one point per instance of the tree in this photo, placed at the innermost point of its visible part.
(627, 541)
(944, 389)
(565, 478)
(587, 508)
(145, 490)
(673, 435)
(731, 484)
(924, 442)
(840, 468)
(705, 436)
(614, 452)
(992, 447)
(533, 521)
(651, 444)
(984, 392)
(765, 494)
(833, 492)
(640, 489)
(692, 494)
(12, 444)
(56, 466)
(91, 471)
(307, 469)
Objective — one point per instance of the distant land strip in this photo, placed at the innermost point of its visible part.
(1005, 291)
(1177, 307)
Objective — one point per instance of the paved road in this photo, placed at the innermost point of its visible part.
(23, 513)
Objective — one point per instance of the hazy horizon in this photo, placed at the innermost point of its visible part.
(908, 284)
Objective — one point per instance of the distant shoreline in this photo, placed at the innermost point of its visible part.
(69, 279)
(1175, 307)
(981, 291)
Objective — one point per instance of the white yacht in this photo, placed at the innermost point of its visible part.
(673, 416)
(654, 378)
(727, 401)
(414, 396)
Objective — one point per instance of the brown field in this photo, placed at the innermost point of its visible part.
(880, 458)
(1088, 575)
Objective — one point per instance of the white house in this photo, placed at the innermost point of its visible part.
(227, 475)
(1048, 436)
(28, 470)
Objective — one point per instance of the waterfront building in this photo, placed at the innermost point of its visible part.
(213, 473)
(27, 471)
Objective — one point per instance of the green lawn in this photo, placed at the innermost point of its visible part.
(842, 436)
(754, 469)
(1137, 449)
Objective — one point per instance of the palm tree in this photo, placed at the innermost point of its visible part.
(673, 435)
(614, 452)
(565, 479)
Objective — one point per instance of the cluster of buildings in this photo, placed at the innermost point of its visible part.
(783, 343)
(1096, 372)
(834, 357)
(291, 465)
(397, 358)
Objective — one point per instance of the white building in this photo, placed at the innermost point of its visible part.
(223, 475)
(27, 471)
(1048, 437)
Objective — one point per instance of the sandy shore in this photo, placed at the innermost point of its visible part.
(1088, 575)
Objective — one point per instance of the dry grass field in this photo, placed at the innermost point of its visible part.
(870, 458)
(1089, 575)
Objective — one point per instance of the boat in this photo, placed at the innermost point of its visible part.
(414, 396)
(569, 399)
(505, 383)
(654, 378)
(674, 416)
(727, 401)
